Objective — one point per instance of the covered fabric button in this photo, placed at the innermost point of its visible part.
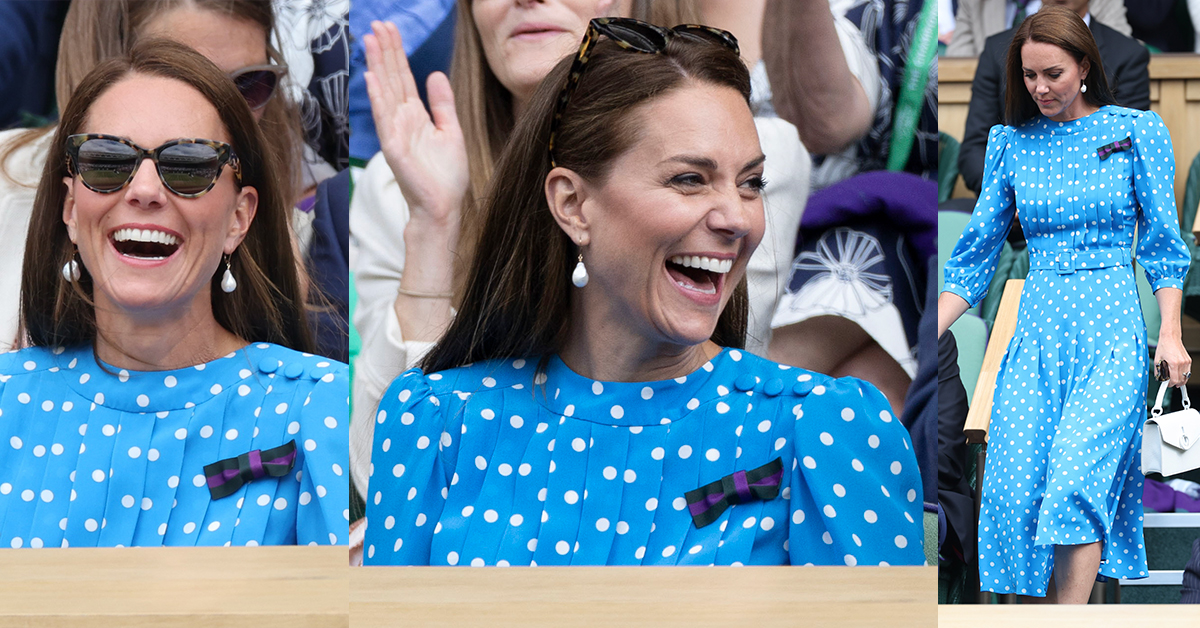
(803, 388)
(773, 387)
(268, 365)
(293, 370)
(316, 373)
(744, 382)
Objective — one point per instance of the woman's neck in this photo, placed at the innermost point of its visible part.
(148, 342)
(600, 350)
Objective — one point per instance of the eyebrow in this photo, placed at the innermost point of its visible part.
(710, 164)
(1053, 67)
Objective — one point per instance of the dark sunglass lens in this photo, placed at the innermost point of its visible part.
(256, 87)
(105, 165)
(189, 168)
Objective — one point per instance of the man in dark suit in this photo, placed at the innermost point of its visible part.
(1126, 65)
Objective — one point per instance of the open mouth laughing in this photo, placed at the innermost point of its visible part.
(694, 273)
(145, 244)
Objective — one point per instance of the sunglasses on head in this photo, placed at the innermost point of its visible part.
(635, 36)
(187, 167)
(257, 83)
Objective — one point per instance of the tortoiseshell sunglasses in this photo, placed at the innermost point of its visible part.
(636, 36)
(187, 167)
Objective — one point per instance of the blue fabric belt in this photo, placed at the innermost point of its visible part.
(1067, 261)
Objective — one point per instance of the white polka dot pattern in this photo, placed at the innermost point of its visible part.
(1070, 398)
(120, 454)
(608, 489)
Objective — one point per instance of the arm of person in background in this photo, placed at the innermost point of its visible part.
(429, 158)
(1111, 13)
(821, 95)
(963, 43)
(404, 217)
(984, 111)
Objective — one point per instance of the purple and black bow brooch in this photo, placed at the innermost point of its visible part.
(1108, 149)
(226, 476)
(708, 502)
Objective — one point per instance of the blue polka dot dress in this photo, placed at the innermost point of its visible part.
(498, 464)
(1069, 404)
(96, 456)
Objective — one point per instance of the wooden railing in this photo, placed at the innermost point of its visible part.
(685, 597)
(1174, 95)
(183, 587)
(980, 414)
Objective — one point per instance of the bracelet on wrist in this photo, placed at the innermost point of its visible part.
(425, 295)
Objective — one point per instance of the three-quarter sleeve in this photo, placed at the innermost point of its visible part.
(970, 269)
(323, 506)
(410, 473)
(854, 481)
(1160, 250)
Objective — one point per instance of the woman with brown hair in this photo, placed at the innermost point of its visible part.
(415, 215)
(158, 251)
(1062, 491)
(591, 402)
(233, 34)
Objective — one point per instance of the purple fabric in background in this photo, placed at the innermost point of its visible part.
(1160, 497)
(906, 201)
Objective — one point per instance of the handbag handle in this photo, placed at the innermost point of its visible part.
(1162, 390)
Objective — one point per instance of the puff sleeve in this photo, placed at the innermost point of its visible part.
(1160, 250)
(970, 269)
(323, 511)
(411, 472)
(855, 487)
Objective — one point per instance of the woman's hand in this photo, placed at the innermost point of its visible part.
(427, 155)
(1177, 358)
(1170, 336)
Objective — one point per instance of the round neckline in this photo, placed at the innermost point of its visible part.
(156, 391)
(1071, 126)
(646, 403)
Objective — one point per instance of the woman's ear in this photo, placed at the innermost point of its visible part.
(566, 192)
(68, 215)
(243, 215)
(1084, 67)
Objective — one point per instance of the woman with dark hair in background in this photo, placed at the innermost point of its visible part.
(1062, 492)
(158, 251)
(591, 403)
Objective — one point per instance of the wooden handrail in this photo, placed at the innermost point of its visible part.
(980, 414)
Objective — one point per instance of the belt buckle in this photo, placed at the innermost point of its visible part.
(1064, 262)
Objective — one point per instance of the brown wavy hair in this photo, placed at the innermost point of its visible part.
(518, 291)
(485, 107)
(1060, 27)
(267, 305)
(96, 30)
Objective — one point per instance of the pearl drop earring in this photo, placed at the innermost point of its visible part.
(228, 283)
(1083, 88)
(580, 276)
(70, 270)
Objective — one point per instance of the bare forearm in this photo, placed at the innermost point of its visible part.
(811, 82)
(429, 255)
(950, 308)
(1170, 303)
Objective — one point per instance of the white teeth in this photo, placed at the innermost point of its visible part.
(710, 264)
(144, 235)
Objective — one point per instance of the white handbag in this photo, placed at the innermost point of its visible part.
(1169, 440)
